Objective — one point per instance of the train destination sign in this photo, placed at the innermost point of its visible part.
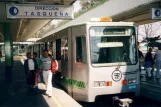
(15, 11)
(114, 31)
(103, 31)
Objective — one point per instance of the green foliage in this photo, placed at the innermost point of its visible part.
(86, 6)
(92, 6)
(152, 41)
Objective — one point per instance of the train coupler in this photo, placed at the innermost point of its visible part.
(125, 102)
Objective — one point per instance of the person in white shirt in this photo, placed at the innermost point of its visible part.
(46, 71)
(30, 67)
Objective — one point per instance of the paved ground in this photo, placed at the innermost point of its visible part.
(16, 94)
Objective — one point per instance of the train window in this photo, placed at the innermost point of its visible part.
(113, 47)
(42, 47)
(58, 49)
(51, 47)
(64, 49)
(81, 49)
(54, 49)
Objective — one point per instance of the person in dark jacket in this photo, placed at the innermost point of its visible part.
(140, 54)
(30, 67)
(149, 62)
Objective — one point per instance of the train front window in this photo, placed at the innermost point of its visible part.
(113, 45)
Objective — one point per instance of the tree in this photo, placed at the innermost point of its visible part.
(152, 41)
(87, 4)
(149, 33)
(149, 30)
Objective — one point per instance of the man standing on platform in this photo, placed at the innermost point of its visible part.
(46, 71)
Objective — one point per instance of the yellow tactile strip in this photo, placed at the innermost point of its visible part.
(42, 86)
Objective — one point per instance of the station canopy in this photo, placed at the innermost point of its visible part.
(22, 29)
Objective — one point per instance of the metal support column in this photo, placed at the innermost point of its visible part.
(46, 45)
(40, 51)
(33, 49)
(18, 50)
(8, 52)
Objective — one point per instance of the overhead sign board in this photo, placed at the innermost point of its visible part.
(15, 11)
(156, 13)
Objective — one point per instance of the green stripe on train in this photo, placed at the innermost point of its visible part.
(73, 83)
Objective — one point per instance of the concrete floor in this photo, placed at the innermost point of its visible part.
(16, 94)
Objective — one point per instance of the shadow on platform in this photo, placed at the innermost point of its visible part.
(16, 94)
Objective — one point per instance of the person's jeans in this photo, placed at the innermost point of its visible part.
(152, 70)
(158, 68)
(148, 70)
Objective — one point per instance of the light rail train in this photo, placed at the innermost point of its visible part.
(98, 58)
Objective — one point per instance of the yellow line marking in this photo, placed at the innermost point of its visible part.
(55, 100)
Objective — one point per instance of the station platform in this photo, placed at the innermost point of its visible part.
(150, 88)
(16, 94)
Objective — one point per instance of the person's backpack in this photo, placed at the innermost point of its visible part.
(54, 65)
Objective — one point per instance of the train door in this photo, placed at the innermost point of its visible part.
(36, 49)
(54, 49)
(42, 47)
(64, 57)
(79, 63)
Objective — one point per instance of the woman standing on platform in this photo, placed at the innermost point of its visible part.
(30, 67)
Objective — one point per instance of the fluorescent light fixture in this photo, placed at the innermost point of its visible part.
(20, 43)
(25, 43)
(110, 44)
(33, 39)
(159, 41)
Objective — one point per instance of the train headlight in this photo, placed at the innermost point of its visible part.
(102, 83)
(96, 84)
(132, 80)
(99, 83)
(129, 81)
